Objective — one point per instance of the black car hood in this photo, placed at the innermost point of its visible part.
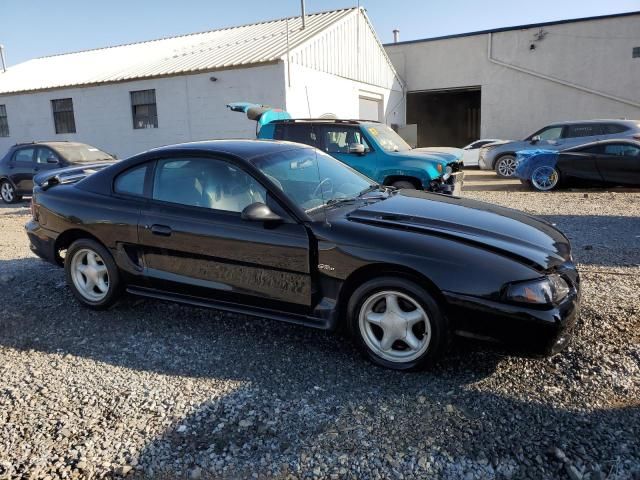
(507, 232)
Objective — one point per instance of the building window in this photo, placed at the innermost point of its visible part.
(63, 115)
(4, 122)
(636, 52)
(143, 107)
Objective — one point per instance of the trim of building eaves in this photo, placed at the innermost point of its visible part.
(139, 79)
(516, 27)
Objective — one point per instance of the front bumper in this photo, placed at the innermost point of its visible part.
(452, 186)
(42, 242)
(530, 330)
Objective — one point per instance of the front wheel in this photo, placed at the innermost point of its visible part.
(506, 166)
(545, 178)
(8, 192)
(397, 324)
(92, 274)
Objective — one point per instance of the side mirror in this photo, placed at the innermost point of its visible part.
(52, 160)
(259, 212)
(535, 139)
(357, 148)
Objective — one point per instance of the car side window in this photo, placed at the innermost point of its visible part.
(478, 144)
(613, 128)
(46, 155)
(338, 138)
(299, 133)
(24, 155)
(594, 149)
(131, 182)
(551, 133)
(206, 183)
(583, 130)
(621, 149)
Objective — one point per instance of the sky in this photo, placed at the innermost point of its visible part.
(35, 28)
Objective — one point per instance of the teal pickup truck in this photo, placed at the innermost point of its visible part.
(371, 148)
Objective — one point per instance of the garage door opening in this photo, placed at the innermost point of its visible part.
(445, 118)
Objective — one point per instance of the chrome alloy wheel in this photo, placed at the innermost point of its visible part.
(544, 178)
(90, 275)
(7, 191)
(394, 326)
(507, 166)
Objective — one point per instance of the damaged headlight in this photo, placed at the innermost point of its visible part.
(550, 289)
(447, 173)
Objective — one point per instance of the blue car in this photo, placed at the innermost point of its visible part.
(372, 148)
(609, 162)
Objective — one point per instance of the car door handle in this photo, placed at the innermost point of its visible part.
(162, 230)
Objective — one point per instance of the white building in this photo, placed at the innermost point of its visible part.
(509, 82)
(129, 98)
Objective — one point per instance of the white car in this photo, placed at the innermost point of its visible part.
(471, 151)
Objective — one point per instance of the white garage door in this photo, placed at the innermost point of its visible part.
(370, 109)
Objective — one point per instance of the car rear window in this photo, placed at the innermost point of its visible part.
(82, 153)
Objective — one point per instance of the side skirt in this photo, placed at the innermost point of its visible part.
(304, 320)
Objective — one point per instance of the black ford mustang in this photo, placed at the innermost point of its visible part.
(284, 231)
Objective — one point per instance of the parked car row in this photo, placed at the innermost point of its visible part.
(558, 136)
(285, 231)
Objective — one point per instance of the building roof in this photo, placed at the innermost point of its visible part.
(516, 27)
(233, 47)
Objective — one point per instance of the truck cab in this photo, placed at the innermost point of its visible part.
(374, 149)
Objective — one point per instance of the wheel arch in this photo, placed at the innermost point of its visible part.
(368, 272)
(499, 156)
(407, 178)
(66, 238)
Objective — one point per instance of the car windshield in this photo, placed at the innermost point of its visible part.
(388, 139)
(82, 153)
(313, 179)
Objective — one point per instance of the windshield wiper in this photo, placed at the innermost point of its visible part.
(369, 189)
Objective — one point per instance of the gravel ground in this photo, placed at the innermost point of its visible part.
(155, 390)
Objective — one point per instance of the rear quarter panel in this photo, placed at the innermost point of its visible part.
(111, 220)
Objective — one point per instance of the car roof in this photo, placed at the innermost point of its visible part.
(348, 121)
(600, 120)
(245, 149)
(54, 144)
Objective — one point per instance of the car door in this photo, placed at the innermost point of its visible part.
(619, 163)
(580, 164)
(195, 241)
(338, 140)
(46, 159)
(21, 168)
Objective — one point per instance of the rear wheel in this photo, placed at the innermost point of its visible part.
(397, 324)
(8, 192)
(403, 184)
(506, 166)
(92, 274)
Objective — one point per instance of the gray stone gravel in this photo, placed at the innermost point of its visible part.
(155, 390)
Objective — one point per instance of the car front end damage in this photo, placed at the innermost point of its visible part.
(535, 328)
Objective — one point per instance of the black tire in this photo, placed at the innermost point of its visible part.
(505, 164)
(8, 192)
(115, 287)
(404, 184)
(438, 325)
